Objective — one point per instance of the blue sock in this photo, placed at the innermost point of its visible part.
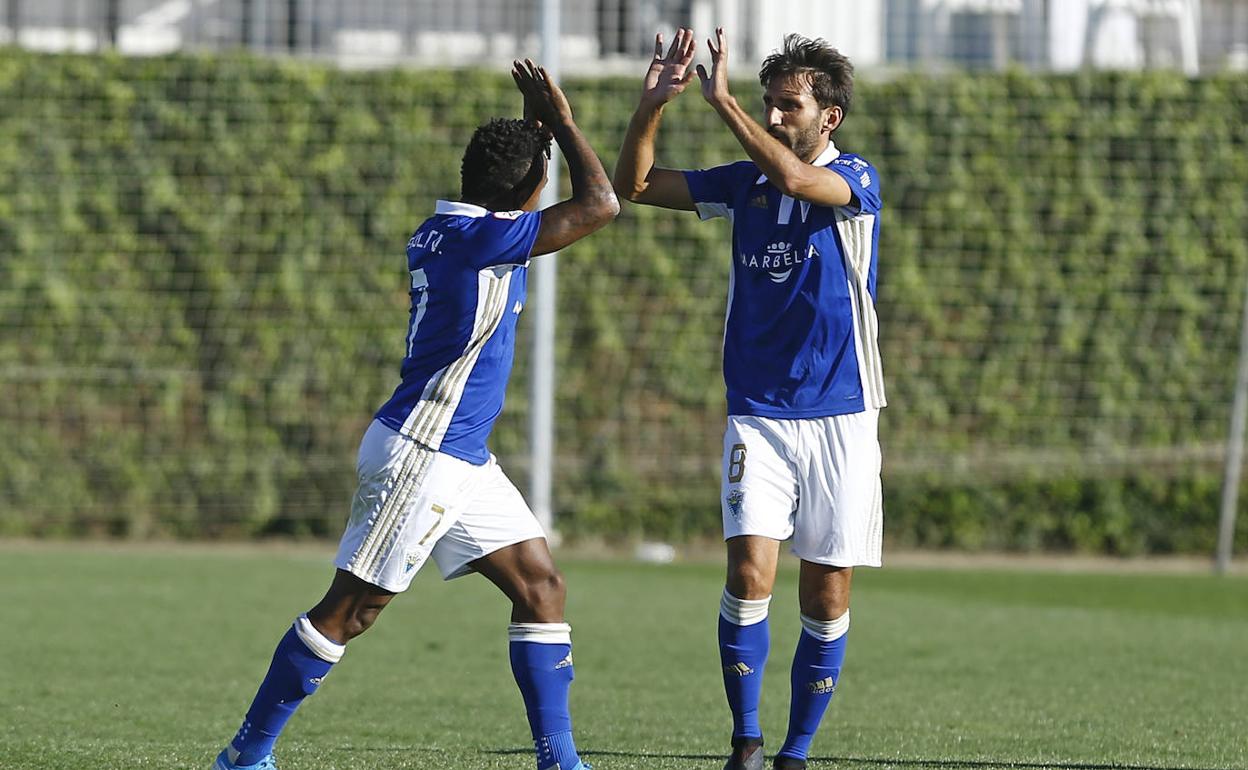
(295, 673)
(541, 661)
(743, 654)
(816, 670)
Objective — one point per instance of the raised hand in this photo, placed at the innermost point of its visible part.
(668, 75)
(715, 85)
(544, 101)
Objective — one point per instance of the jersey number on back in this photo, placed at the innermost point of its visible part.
(420, 289)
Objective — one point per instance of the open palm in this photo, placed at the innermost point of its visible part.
(544, 101)
(715, 85)
(668, 75)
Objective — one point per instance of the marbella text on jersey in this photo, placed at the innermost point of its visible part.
(800, 339)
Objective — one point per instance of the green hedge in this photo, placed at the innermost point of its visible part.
(201, 300)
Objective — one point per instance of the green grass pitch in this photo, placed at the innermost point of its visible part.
(120, 657)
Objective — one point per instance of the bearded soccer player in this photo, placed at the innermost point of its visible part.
(428, 486)
(801, 455)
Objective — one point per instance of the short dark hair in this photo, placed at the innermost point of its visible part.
(500, 159)
(830, 72)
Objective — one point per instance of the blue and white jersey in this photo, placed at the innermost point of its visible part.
(469, 268)
(800, 338)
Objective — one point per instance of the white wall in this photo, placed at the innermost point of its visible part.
(755, 28)
(854, 27)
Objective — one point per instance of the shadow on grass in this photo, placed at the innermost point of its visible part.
(983, 764)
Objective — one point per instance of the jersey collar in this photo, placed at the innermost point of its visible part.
(460, 209)
(825, 157)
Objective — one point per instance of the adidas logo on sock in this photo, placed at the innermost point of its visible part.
(564, 663)
(822, 686)
(739, 668)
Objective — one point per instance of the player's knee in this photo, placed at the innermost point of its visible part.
(824, 605)
(358, 622)
(748, 581)
(544, 595)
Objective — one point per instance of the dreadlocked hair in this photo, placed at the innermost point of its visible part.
(501, 157)
(830, 73)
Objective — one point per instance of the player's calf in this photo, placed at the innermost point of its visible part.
(540, 645)
(815, 673)
(303, 658)
(541, 661)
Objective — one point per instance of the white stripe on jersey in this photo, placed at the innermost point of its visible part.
(429, 420)
(712, 210)
(786, 210)
(732, 289)
(855, 235)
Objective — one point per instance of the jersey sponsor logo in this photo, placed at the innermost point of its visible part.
(823, 686)
(739, 669)
(779, 259)
(734, 500)
(865, 179)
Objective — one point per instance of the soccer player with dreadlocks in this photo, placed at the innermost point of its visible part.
(428, 486)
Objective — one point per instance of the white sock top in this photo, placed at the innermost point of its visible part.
(324, 648)
(827, 630)
(542, 633)
(743, 612)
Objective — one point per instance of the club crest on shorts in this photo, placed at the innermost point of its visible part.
(414, 559)
(733, 500)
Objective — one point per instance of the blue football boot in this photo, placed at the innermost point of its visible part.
(223, 762)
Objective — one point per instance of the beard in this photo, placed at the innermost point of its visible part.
(802, 141)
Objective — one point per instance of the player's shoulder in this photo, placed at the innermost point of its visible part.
(502, 237)
(745, 169)
(505, 220)
(851, 160)
(507, 216)
(460, 214)
(744, 175)
(489, 224)
(855, 166)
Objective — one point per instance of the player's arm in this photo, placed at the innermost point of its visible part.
(789, 173)
(593, 203)
(636, 177)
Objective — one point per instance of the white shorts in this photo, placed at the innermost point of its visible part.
(816, 480)
(413, 502)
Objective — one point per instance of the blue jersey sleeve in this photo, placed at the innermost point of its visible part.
(712, 189)
(863, 180)
(508, 239)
